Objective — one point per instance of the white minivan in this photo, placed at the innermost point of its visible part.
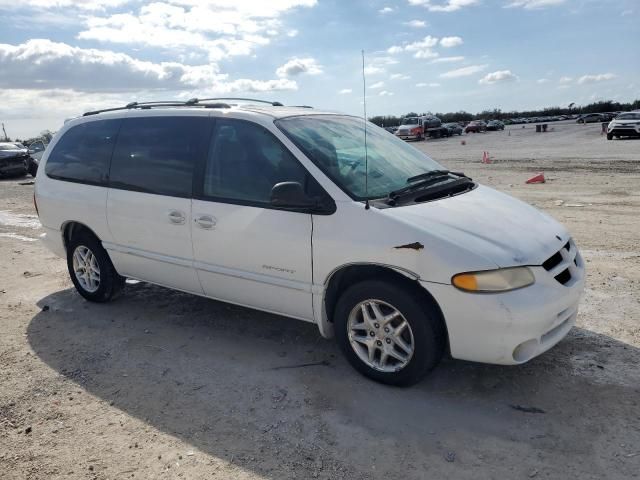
(284, 209)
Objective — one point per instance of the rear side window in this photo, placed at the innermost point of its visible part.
(157, 154)
(83, 153)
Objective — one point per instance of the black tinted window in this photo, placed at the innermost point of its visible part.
(246, 161)
(158, 154)
(84, 152)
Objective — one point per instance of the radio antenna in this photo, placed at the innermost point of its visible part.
(366, 155)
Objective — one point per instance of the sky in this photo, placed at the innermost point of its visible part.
(60, 58)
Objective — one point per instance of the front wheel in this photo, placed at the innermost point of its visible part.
(388, 333)
(91, 270)
(609, 136)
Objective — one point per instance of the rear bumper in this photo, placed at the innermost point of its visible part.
(408, 137)
(509, 328)
(52, 239)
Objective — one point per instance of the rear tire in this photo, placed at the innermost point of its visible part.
(91, 270)
(399, 352)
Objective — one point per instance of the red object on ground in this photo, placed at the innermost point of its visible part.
(485, 157)
(537, 179)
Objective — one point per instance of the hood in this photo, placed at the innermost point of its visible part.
(489, 224)
(16, 152)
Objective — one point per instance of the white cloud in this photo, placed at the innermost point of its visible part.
(376, 85)
(425, 54)
(416, 24)
(217, 27)
(64, 4)
(385, 10)
(426, 42)
(378, 64)
(345, 91)
(399, 76)
(292, 33)
(449, 42)
(394, 49)
(542, 80)
(533, 4)
(447, 60)
(384, 93)
(447, 6)
(464, 71)
(602, 77)
(565, 80)
(296, 66)
(423, 84)
(498, 77)
(43, 64)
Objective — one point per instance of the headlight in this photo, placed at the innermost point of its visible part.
(489, 281)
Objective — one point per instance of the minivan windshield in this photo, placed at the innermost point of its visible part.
(336, 145)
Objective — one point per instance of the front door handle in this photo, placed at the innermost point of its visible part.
(205, 221)
(176, 217)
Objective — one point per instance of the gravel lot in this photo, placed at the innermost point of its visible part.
(161, 384)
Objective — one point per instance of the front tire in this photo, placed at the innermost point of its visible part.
(91, 270)
(388, 333)
(609, 136)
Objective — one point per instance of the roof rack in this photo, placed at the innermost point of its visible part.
(273, 104)
(193, 102)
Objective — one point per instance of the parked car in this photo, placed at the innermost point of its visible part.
(391, 129)
(13, 160)
(36, 150)
(476, 126)
(624, 125)
(495, 125)
(418, 128)
(590, 118)
(453, 128)
(268, 207)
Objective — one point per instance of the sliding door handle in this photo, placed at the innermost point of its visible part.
(205, 221)
(176, 217)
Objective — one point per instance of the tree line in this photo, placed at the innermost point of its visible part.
(498, 114)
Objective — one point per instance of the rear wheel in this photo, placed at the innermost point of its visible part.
(388, 333)
(91, 270)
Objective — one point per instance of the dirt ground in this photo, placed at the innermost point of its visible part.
(161, 384)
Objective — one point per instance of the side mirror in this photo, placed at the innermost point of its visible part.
(291, 195)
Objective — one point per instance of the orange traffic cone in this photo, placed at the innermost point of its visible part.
(539, 178)
(485, 157)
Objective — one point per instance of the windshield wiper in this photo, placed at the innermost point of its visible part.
(430, 180)
(434, 173)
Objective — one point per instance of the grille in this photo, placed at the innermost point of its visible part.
(563, 264)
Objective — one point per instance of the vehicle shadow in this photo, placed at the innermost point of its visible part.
(271, 395)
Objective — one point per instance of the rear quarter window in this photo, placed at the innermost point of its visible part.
(84, 152)
(158, 154)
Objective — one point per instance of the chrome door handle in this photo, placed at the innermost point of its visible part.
(176, 217)
(205, 221)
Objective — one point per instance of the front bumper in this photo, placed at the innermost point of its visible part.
(408, 137)
(512, 327)
(13, 166)
(624, 131)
